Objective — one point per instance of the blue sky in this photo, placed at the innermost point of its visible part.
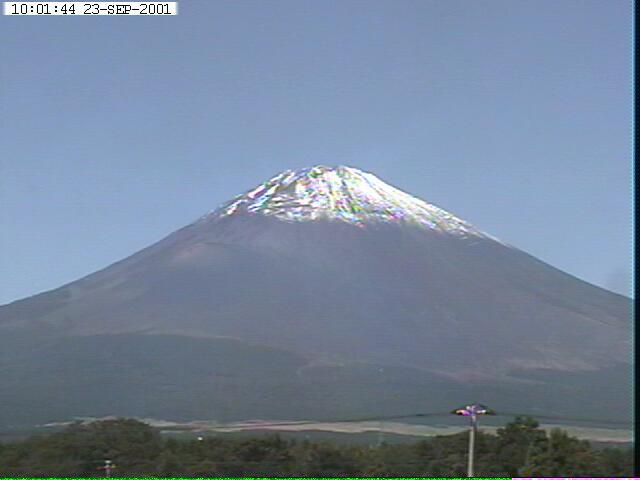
(513, 115)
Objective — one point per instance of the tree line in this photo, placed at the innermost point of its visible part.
(520, 448)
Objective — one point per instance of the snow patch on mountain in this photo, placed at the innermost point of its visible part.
(344, 194)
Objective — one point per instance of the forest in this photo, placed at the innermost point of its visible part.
(520, 448)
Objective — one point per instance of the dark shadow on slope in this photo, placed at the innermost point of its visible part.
(183, 378)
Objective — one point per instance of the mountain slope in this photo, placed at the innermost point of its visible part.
(339, 270)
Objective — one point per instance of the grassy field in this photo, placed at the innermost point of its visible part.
(369, 432)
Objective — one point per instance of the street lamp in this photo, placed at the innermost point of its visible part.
(108, 468)
(472, 411)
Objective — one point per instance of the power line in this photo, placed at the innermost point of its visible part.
(261, 425)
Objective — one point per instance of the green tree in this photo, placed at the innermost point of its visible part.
(616, 462)
(561, 456)
(324, 460)
(514, 445)
(519, 449)
(168, 464)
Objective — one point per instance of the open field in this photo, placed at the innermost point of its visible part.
(389, 431)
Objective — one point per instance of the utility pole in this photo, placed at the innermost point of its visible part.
(472, 411)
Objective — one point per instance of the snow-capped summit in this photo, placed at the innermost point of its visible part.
(345, 194)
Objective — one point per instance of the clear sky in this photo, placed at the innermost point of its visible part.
(514, 115)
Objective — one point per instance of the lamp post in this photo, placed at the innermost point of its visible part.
(472, 411)
(108, 467)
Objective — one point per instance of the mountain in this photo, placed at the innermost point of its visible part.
(321, 293)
